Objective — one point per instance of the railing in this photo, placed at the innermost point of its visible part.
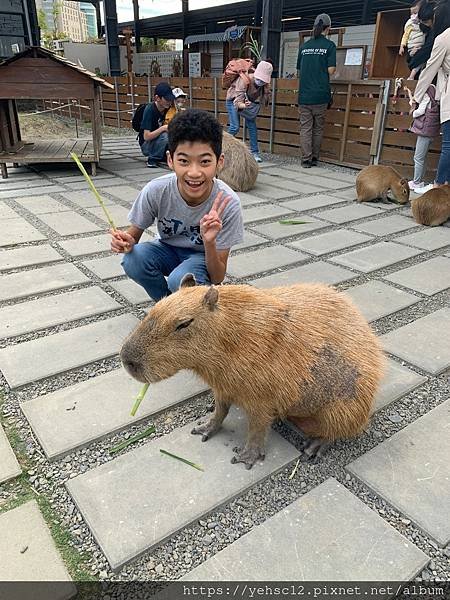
(365, 125)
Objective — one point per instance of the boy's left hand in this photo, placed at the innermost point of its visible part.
(211, 223)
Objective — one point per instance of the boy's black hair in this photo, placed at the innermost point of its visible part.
(195, 125)
(426, 11)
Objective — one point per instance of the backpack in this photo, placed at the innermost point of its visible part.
(137, 117)
(235, 68)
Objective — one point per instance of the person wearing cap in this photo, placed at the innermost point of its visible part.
(250, 97)
(178, 104)
(316, 62)
(153, 134)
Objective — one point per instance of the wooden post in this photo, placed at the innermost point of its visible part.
(149, 88)
(379, 122)
(101, 107)
(346, 121)
(190, 91)
(216, 110)
(4, 171)
(117, 101)
(272, 114)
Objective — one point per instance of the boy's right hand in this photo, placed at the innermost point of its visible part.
(402, 50)
(121, 241)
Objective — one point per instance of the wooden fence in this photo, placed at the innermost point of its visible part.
(365, 124)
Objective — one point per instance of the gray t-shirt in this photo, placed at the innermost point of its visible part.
(178, 223)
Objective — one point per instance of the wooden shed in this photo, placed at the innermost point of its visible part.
(35, 74)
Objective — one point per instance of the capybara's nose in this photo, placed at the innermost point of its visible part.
(131, 364)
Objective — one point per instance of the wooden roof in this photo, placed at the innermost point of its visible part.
(39, 52)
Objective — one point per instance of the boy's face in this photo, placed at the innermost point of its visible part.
(195, 165)
(414, 9)
(162, 103)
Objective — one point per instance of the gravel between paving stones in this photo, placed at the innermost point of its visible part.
(214, 532)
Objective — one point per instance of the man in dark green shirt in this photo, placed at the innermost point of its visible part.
(316, 62)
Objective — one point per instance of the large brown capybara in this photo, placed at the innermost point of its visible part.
(302, 352)
(240, 169)
(375, 181)
(433, 207)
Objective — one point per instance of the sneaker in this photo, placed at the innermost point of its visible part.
(257, 158)
(413, 185)
(423, 189)
(152, 164)
(306, 164)
(314, 162)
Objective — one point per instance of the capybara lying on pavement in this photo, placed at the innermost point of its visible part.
(302, 352)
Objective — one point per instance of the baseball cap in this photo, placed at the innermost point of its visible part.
(326, 20)
(177, 92)
(163, 90)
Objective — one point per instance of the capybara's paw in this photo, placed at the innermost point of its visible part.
(248, 455)
(206, 430)
(313, 450)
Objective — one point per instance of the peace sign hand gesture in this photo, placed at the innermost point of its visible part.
(211, 223)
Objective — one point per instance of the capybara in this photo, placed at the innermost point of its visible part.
(375, 181)
(240, 169)
(302, 352)
(433, 207)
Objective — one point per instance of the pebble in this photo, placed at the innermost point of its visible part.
(395, 418)
(207, 540)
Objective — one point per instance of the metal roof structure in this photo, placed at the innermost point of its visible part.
(222, 36)
(297, 15)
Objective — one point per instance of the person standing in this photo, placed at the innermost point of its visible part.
(316, 62)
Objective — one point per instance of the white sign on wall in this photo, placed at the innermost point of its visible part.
(290, 53)
(195, 67)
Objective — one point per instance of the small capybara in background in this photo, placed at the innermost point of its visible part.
(433, 207)
(302, 352)
(375, 181)
(240, 169)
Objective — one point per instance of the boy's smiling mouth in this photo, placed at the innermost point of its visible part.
(194, 184)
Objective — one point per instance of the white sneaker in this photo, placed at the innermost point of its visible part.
(413, 185)
(257, 158)
(423, 189)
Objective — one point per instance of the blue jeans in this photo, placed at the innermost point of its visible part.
(156, 149)
(234, 125)
(443, 171)
(149, 263)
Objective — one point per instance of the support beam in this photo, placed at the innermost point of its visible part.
(272, 11)
(366, 12)
(98, 16)
(112, 38)
(137, 26)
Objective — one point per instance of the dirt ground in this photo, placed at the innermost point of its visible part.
(52, 126)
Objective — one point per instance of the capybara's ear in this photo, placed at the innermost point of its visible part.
(188, 281)
(211, 298)
(404, 181)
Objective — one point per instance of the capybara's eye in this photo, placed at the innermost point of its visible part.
(183, 324)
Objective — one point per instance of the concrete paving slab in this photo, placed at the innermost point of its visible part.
(79, 414)
(320, 171)
(19, 231)
(130, 290)
(273, 193)
(53, 310)
(37, 281)
(325, 182)
(428, 277)
(69, 223)
(39, 205)
(410, 471)
(330, 242)
(121, 496)
(349, 194)
(266, 259)
(397, 382)
(263, 212)
(85, 199)
(297, 187)
(9, 465)
(247, 199)
(432, 238)
(346, 214)
(278, 231)
(64, 351)
(7, 213)
(29, 553)
(28, 256)
(17, 186)
(250, 240)
(424, 342)
(375, 299)
(87, 245)
(316, 272)
(119, 214)
(326, 535)
(33, 191)
(101, 183)
(377, 256)
(386, 225)
(107, 267)
(311, 202)
(123, 192)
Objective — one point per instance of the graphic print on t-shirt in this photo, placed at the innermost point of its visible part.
(172, 227)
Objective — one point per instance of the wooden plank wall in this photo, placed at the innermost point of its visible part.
(359, 127)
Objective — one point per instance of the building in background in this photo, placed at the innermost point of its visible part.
(91, 17)
(63, 18)
(18, 26)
